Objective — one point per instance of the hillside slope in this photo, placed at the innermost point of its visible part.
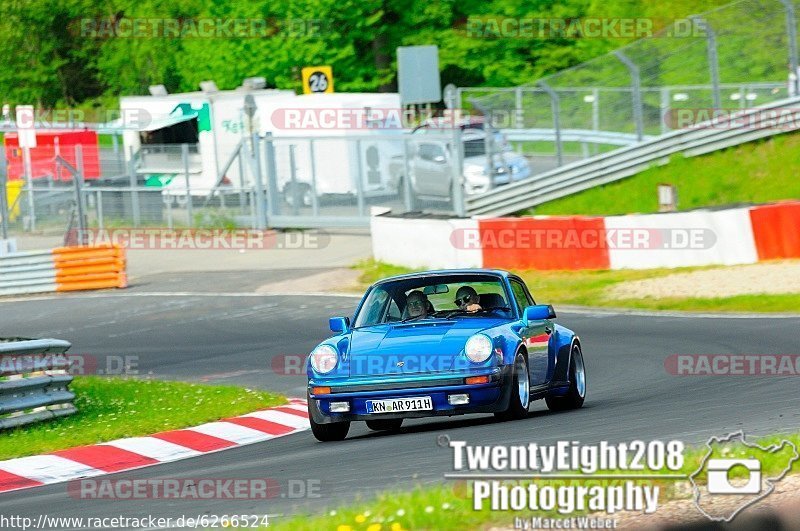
(756, 172)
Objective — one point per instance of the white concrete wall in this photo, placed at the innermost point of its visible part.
(422, 243)
(728, 232)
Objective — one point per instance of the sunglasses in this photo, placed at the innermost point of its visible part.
(463, 300)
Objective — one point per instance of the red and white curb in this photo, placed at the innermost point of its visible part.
(139, 452)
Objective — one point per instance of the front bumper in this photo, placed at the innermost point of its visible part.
(483, 398)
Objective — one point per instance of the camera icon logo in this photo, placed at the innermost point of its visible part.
(721, 471)
(732, 471)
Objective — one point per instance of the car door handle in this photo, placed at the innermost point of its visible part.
(548, 330)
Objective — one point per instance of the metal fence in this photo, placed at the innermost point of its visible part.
(34, 381)
(738, 56)
(752, 124)
(286, 181)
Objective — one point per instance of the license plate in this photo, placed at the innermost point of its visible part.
(397, 405)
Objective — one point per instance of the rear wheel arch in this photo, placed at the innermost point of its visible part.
(563, 355)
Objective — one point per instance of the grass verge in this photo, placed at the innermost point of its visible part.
(449, 506)
(589, 288)
(112, 408)
(755, 172)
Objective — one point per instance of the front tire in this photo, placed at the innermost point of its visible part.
(385, 424)
(335, 431)
(577, 385)
(520, 391)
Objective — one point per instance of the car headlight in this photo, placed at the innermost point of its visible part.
(478, 348)
(324, 359)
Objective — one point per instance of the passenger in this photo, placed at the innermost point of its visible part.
(417, 304)
(467, 299)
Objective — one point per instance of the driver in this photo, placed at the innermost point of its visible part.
(417, 304)
(467, 299)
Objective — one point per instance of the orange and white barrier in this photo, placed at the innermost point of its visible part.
(63, 269)
(683, 239)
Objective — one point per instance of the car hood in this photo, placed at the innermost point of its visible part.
(413, 347)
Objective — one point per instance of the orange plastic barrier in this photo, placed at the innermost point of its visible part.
(85, 268)
(544, 243)
(776, 229)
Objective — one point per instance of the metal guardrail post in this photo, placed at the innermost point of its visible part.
(77, 179)
(242, 197)
(457, 159)
(185, 159)
(518, 116)
(791, 32)
(713, 60)
(28, 171)
(4, 211)
(314, 197)
(360, 182)
(133, 180)
(296, 198)
(555, 105)
(261, 212)
(636, 87)
(665, 109)
(408, 190)
(273, 204)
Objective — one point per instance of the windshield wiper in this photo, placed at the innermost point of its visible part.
(413, 318)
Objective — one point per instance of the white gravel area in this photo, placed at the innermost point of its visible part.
(767, 278)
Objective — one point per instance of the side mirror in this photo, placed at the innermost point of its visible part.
(540, 312)
(339, 324)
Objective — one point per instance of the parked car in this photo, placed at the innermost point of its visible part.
(430, 162)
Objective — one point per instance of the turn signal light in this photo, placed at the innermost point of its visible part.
(320, 390)
(477, 380)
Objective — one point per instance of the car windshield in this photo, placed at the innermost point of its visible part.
(434, 297)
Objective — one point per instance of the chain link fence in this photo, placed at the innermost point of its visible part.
(741, 55)
(279, 182)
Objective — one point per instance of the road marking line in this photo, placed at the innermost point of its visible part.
(48, 468)
(154, 448)
(281, 418)
(231, 432)
(194, 440)
(138, 452)
(106, 458)
(266, 426)
(9, 481)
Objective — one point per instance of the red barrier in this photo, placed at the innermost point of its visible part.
(776, 229)
(48, 145)
(544, 243)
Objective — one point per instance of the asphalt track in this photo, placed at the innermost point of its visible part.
(194, 334)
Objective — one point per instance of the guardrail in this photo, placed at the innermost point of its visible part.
(752, 124)
(34, 382)
(62, 269)
(588, 136)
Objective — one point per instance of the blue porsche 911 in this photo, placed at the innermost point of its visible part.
(442, 343)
